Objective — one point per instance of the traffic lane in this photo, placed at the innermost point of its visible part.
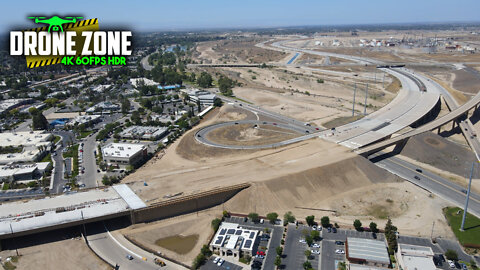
(342, 234)
(275, 239)
(447, 244)
(447, 193)
(419, 241)
(294, 251)
(329, 256)
(429, 174)
(89, 178)
(209, 265)
(105, 247)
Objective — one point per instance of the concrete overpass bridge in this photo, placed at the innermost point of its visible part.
(455, 115)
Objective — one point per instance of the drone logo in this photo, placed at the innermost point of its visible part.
(55, 22)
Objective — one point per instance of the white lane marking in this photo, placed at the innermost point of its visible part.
(118, 243)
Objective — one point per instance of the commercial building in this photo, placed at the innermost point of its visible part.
(367, 252)
(9, 104)
(106, 106)
(205, 97)
(144, 132)
(137, 81)
(123, 154)
(85, 119)
(233, 240)
(23, 172)
(31, 146)
(411, 257)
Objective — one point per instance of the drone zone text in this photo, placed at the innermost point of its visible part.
(97, 43)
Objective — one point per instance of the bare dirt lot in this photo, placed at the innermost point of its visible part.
(246, 134)
(69, 253)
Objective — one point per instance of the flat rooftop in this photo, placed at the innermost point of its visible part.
(39, 213)
(122, 150)
(24, 138)
(367, 249)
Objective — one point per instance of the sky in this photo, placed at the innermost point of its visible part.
(151, 15)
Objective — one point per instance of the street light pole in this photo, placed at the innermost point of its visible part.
(354, 92)
(13, 239)
(466, 200)
(366, 95)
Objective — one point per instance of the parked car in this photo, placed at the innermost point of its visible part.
(451, 264)
(220, 262)
(215, 261)
(329, 229)
(340, 243)
(339, 251)
(334, 230)
(302, 241)
(316, 251)
(315, 245)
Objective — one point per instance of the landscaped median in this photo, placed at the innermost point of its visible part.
(470, 237)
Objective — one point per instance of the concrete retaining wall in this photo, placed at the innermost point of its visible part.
(186, 204)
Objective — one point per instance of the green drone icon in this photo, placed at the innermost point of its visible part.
(55, 22)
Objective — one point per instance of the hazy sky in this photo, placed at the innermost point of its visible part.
(188, 14)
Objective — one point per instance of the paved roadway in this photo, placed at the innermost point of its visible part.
(439, 186)
(201, 135)
(91, 176)
(114, 249)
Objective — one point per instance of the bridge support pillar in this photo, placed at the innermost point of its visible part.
(453, 124)
(132, 216)
(438, 129)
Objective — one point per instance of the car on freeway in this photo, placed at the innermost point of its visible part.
(274, 124)
(317, 129)
(416, 177)
(340, 243)
(130, 257)
(306, 131)
(464, 191)
(419, 170)
(264, 123)
(339, 251)
(215, 261)
(236, 123)
(220, 262)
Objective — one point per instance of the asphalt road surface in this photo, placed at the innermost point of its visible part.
(439, 186)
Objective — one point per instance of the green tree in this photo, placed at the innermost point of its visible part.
(342, 266)
(225, 214)
(325, 221)
(204, 80)
(216, 223)
(307, 265)
(272, 217)
(278, 261)
(373, 227)
(225, 85)
(254, 217)
(308, 253)
(309, 240)
(125, 106)
(279, 250)
(217, 102)
(315, 235)
(136, 118)
(288, 217)
(310, 220)
(357, 224)
(39, 121)
(391, 236)
(451, 255)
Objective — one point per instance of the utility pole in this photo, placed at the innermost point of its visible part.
(383, 83)
(13, 240)
(366, 95)
(466, 200)
(375, 75)
(431, 234)
(354, 92)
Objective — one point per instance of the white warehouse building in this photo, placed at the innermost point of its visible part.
(123, 154)
(233, 240)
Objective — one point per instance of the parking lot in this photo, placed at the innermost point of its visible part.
(294, 252)
(342, 235)
(329, 257)
(274, 241)
(209, 265)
